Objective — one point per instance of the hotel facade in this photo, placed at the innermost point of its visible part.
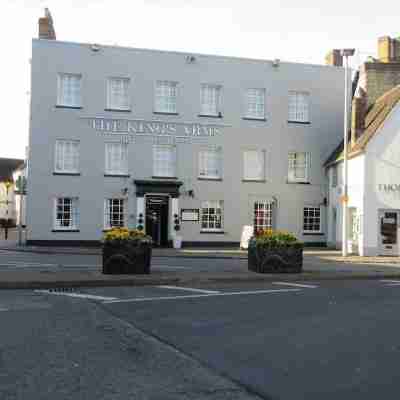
(180, 145)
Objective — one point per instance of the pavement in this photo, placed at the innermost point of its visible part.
(171, 266)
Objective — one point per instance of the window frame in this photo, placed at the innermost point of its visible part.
(306, 178)
(268, 209)
(107, 161)
(56, 153)
(218, 152)
(170, 84)
(247, 114)
(60, 90)
(296, 115)
(207, 205)
(174, 160)
(307, 231)
(263, 154)
(74, 218)
(108, 212)
(116, 107)
(218, 102)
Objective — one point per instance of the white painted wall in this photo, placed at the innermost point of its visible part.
(382, 167)
(356, 179)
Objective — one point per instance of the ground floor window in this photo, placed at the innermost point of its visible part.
(262, 215)
(312, 220)
(66, 213)
(114, 213)
(211, 216)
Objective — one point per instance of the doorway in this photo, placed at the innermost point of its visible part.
(388, 235)
(157, 219)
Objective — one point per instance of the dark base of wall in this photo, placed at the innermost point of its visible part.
(314, 244)
(210, 244)
(97, 243)
(64, 243)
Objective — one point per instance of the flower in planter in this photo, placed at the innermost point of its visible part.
(125, 235)
(269, 237)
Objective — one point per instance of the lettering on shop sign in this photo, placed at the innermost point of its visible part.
(389, 187)
(156, 131)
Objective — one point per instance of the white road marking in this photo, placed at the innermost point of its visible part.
(389, 281)
(301, 285)
(189, 289)
(3, 309)
(78, 295)
(195, 296)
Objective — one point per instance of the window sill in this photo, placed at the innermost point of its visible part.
(67, 173)
(117, 175)
(254, 180)
(164, 177)
(299, 122)
(118, 110)
(298, 183)
(208, 178)
(66, 230)
(165, 113)
(210, 115)
(313, 234)
(213, 232)
(254, 119)
(71, 107)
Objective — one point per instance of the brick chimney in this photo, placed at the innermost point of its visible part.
(334, 58)
(358, 113)
(388, 49)
(46, 28)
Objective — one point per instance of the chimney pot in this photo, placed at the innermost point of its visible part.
(46, 28)
(334, 58)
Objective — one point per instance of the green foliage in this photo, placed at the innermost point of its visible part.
(270, 238)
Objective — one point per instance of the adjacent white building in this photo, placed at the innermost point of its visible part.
(374, 161)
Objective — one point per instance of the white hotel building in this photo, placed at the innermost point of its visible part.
(177, 144)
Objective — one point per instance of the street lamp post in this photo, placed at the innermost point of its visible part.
(346, 53)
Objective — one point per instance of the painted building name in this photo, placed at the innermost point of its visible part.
(389, 187)
(154, 128)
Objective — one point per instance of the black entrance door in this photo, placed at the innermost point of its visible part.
(157, 219)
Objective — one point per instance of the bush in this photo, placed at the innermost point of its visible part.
(125, 235)
(271, 238)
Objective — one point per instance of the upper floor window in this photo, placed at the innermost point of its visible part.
(116, 159)
(210, 99)
(66, 213)
(166, 96)
(312, 220)
(299, 107)
(298, 167)
(67, 156)
(69, 90)
(255, 103)
(164, 161)
(114, 213)
(211, 216)
(118, 94)
(254, 165)
(210, 163)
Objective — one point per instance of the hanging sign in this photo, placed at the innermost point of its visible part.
(190, 214)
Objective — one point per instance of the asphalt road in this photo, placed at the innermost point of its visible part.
(319, 340)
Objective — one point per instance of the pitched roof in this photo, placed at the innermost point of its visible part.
(374, 119)
(8, 166)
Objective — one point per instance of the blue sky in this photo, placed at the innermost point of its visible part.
(257, 29)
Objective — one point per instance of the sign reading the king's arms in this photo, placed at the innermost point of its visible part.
(155, 128)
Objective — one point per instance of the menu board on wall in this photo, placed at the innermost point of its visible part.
(190, 214)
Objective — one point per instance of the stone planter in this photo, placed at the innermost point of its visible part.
(130, 257)
(281, 259)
